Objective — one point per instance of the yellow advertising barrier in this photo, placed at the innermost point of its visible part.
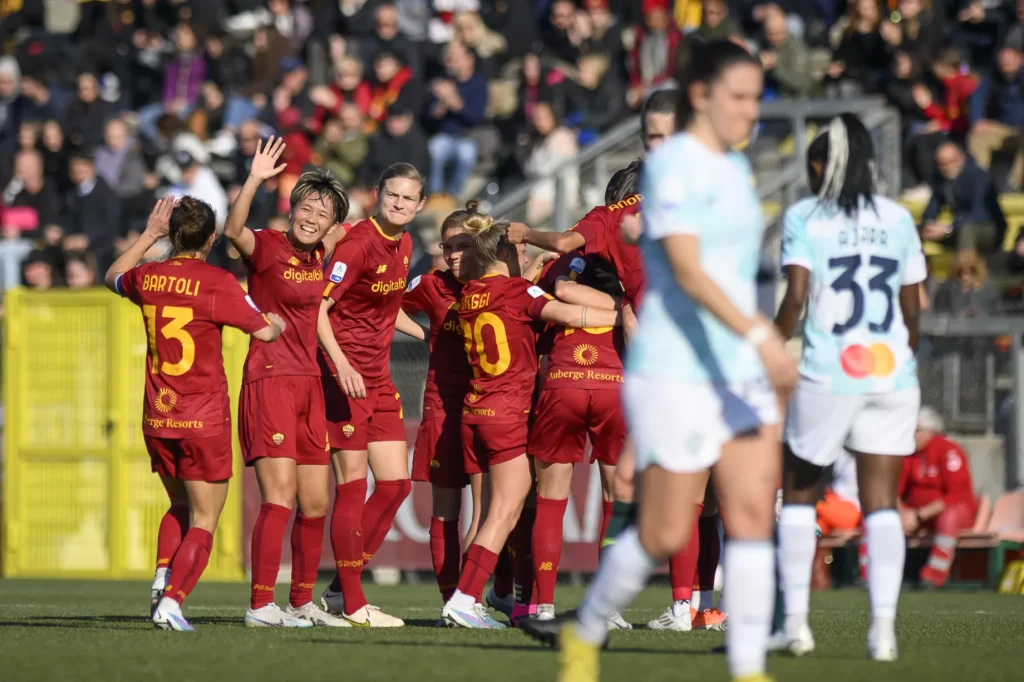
(79, 499)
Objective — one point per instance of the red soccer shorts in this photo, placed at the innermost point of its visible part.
(566, 416)
(484, 445)
(192, 459)
(283, 417)
(437, 457)
(354, 423)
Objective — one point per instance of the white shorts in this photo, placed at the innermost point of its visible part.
(819, 425)
(682, 426)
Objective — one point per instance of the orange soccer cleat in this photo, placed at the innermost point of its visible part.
(709, 619)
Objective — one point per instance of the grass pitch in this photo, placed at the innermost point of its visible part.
(100, 631)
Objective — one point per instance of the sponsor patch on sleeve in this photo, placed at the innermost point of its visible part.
(252, 305)
(338, 272)
(536, 292)
(413, 284)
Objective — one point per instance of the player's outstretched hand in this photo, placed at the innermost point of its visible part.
(264, 164)
(351, 382)
(159, 222)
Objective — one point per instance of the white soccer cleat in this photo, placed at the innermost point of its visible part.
(545, 611)
(800, 644)
(317, 616)
(372, 617)
(501, 604)
(670, 621)
(882, 644)
(475, 617)
(332, 602)
(617, 622)
(271, 616)
(167, 616)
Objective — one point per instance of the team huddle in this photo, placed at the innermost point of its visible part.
(638, 331)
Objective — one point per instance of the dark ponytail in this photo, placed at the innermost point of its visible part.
(624, 183)
(191, 226)
(706, 64)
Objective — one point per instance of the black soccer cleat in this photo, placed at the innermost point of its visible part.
(546, 631)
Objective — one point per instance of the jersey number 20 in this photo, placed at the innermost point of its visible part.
(177, 317)
(474, 335)
(847, 281)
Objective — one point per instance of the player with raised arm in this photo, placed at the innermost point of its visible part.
(357, 318)
(186, 414)
(496, 313)
(854, 257)
(581, 397)
(437, 455)
(702, 373)
(281, 425)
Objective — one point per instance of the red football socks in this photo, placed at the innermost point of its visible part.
(267, 538)
(682, 566)
(379, 512)
(710, 553)
(446, 555)
(607, 508)
(189, 563)
(520, 544)
(347, 542)
(547, 546)
(502, 574)
(307, 542)
(480, 563)
(172, 530)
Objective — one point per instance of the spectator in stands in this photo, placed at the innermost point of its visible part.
(539, 84)
(918, 30)
(291, 94)
(981, 25)
(227, 65)
(399, 139)
(997, 114)
(386, 37)
(606, 35)
(392, 80)
(456, 106)
(861, 57)
(87, 114)
(55, 157)
(786, 59)
(556, 34)
(43, 101)
(80, 271)
(12, 104)
(198, 181)
(716, 22)
(653, 57)
(553, 145)
(968, 292)
(347, 87)
(487, 46)
(119, 161)
(952, 111)
(936, 495)
(31, 189)
(93, 212)
(14, 247)
(344, 144)
(39, 271)
(596, 98)
(967, 191)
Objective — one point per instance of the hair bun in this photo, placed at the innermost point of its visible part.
(472, 205)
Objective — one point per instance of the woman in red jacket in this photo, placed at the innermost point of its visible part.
(936, 494)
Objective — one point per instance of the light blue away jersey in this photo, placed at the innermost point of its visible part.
(855, 340)
(689, 189)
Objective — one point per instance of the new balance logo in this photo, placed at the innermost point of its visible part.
(545, 566)
(382, 269)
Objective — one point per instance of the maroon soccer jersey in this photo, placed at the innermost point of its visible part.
(580, 358)
(367, 279)
(185, 302)
(602, 230)
(437, 294)
(496, 313)
(287, 282)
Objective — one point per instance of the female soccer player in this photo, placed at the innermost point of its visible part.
(186, 418)
(857, 257)
(701, 369)
(364, 410)
(437, 456)
(281, 424)
(495, 312)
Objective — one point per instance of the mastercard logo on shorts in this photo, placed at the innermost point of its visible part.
(861, 362)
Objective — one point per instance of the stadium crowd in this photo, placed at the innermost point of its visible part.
(148, 97)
